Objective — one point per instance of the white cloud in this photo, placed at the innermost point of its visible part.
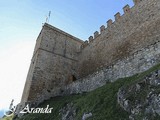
(14, 64)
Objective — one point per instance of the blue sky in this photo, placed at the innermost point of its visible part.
(1, 114)
(21, 22)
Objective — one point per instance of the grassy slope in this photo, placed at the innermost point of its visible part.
(7, 118)
(102, 102)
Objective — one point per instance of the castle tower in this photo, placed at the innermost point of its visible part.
(53, 64)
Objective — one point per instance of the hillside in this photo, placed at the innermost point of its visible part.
(101, 103)
(7, 118)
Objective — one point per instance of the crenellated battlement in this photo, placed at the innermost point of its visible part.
(126, 9)
(117, 16)
(121, 37)
(136, 1)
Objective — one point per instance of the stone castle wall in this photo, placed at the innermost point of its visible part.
(141, 61)
(54, 61)
(130, 32)
(129, 45)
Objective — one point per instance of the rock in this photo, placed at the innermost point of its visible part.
(138, 87)
(85, 116)
(68, 112)
(131, 117)
(135, 111)
(120, 98)
(157, 82)
(126, 105)
(141, 98)
(148, 110)
(145, 118)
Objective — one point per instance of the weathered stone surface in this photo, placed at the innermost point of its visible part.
(54, 60)
(144, 103)
(85, 116)
(68, 112)
(133, 31)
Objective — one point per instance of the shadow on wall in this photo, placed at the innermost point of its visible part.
(71, 79)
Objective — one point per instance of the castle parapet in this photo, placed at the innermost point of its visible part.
(117, 16)
(136, 1)
(102, 28)
(126, 9)
(96, 34)
(109, 22)
(84, 44)
(90, 39)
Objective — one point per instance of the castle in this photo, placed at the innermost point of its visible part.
(63, 64)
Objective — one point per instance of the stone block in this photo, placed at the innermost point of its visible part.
(96, 34)
(136, 1)
(109, 23)
(90, 39)
(102, 28)
(117, 16)
(126, 9)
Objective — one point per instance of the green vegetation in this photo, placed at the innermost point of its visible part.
(102, 102)
(7, 118)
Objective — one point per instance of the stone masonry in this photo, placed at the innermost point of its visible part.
(63, 64)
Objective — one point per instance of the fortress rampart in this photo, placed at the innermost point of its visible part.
(135, 29)
(63, 64)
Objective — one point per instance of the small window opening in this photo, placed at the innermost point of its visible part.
(74, 78)
(49, 91)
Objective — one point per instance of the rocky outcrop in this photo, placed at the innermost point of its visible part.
(68, 112)
(142, 98)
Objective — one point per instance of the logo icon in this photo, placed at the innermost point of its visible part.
(11, 110)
